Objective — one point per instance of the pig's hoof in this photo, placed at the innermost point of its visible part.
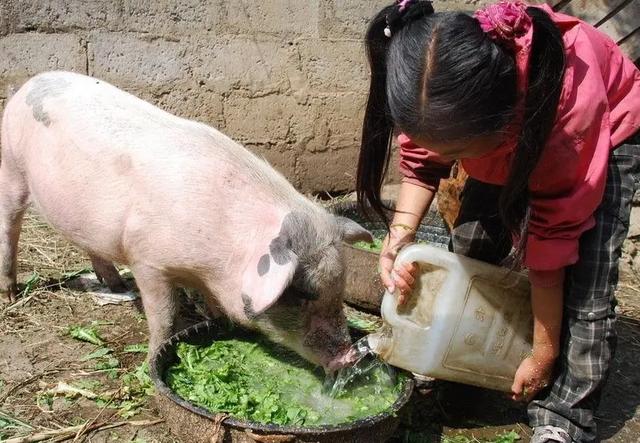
(7, 296)
(117, 287)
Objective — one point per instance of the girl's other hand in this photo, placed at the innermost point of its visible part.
(401, 278)
(532, 376)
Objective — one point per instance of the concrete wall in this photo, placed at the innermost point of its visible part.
(287, 78)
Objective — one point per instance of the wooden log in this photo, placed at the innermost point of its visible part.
(623, 23)
(631, 46)
(591, 11)
(551, 3)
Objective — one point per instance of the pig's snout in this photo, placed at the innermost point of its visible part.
(332, 348)
(346, 358)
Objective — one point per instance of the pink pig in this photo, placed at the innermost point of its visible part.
(180, 204)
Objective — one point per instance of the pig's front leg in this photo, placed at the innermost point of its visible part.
(159, 304)
(13, 202)
(107, 273)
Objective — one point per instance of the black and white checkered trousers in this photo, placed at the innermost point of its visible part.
(588, 336)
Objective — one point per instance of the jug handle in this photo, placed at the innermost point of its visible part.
(415, 253)
(410, 254)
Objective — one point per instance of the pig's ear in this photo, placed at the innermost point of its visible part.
(351, 231)
(268, 274)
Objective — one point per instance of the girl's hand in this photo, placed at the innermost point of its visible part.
(400, 278)
(533, 375)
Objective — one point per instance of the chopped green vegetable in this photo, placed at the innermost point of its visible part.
(375, 246)
(95, 323)
(110, 363)
(357, 321)
(138, 381)
(261, 382)
(100, 352)
(32, 282)
(82, 333)
(73, 274)
(137, 349)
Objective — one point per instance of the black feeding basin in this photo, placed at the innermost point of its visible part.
(194, 424)
(363, 288)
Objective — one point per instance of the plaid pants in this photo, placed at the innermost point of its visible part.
(588, 334)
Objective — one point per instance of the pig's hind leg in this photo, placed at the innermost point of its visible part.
(159, 304)
(108, 274)
(14, 195)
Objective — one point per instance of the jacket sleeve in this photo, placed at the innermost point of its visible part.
(420, 166)
(566, 189)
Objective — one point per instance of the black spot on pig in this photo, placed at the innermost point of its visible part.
(280, 249)
(263, 265)
(297, 235)
(248, 307)
(44, 87)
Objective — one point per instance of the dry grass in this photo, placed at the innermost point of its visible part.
(44, 251)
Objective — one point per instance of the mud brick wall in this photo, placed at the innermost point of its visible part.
(287, 78)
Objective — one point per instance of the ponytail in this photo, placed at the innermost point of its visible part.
(377, 127)
(543, 95)
(378, 124)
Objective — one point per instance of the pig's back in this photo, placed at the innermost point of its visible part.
(95, 115)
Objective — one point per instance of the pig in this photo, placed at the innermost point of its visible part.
(180, 204)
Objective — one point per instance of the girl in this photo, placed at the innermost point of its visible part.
(542, 111)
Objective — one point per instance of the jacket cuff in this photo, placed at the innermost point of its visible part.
(431, 185)
(550, 254)
(546, 279)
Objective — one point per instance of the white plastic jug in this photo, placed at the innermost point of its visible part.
(466, 321)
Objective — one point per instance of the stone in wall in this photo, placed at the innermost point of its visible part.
(24, 55)
(334, 66)
(264, 120)
(171, 17)
(634, 221)
(280, 160)
(257, 66)
(331, 171)
(335, 127)
(348, 18)
(191, 101)
(137, 61)
(60, 15)
(275, 17)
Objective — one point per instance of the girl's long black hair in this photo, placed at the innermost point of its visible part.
(441, 77)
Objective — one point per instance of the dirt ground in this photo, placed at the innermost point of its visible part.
(37, 353)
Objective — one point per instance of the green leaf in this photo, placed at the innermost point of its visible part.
(139, 348)
(72, 274)
(98, 353)
(110, 363)
(374, 246)
(32, 282)
(89, 335)
(101, 323)
(508, 437)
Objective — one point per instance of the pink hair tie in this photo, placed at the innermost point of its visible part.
(508, 23)
(504, 21)
(402, 4)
